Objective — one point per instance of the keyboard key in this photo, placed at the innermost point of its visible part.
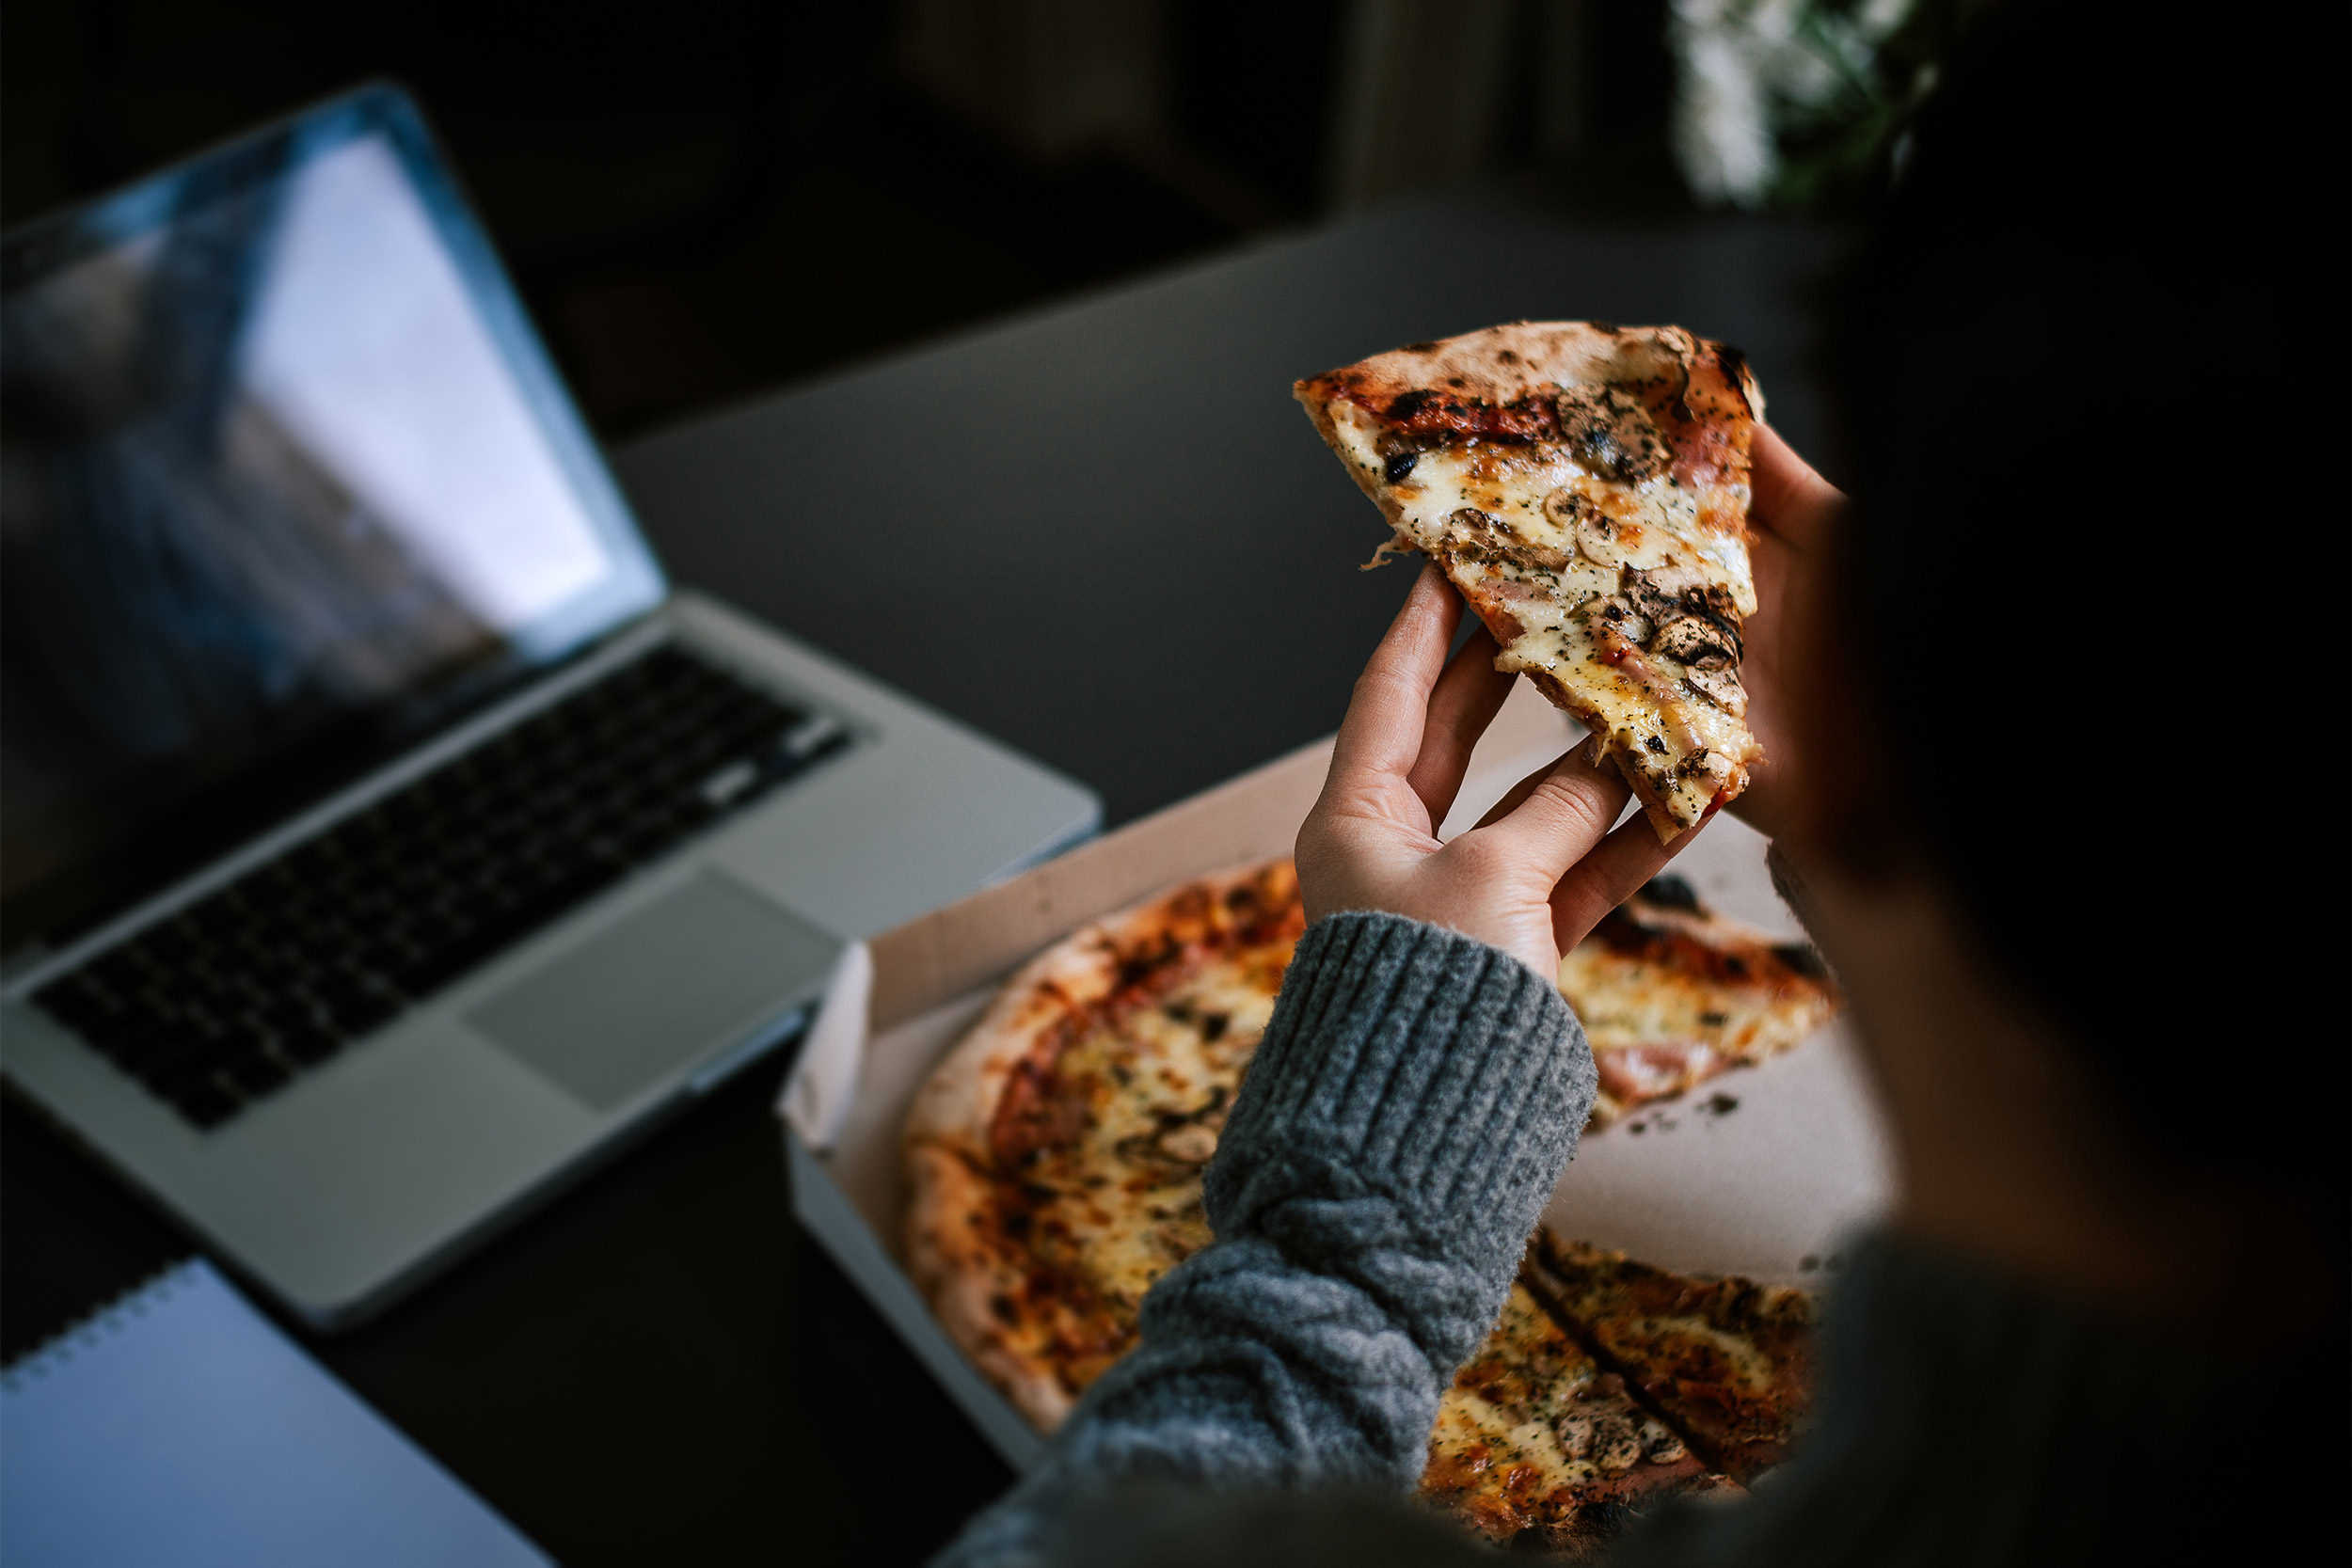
(254, 1074)
(307, 1044)
(180, 1052)
(204, 1103)
(361, 1014)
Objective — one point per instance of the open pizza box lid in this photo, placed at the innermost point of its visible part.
(1764, 1172)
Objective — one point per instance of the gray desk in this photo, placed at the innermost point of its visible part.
(1104, 534)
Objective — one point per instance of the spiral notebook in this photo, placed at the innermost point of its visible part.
(179, 1428)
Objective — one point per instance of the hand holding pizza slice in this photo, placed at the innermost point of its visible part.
(1585, 487)
(1536, 874)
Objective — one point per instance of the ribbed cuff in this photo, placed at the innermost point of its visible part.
(1424, 1063)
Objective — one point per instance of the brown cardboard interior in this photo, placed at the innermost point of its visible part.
(1763, 1171)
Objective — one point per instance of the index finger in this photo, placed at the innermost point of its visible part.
(1555, 817)
(1382, 731)
(1611, 874)
(1468, 697)
(1786, 497)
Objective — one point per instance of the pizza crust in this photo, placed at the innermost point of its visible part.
(963, 1275)
(975, 1275)
(955, 1253)
(1480, 380)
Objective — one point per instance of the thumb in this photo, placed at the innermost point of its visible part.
(1786, 496)
(1566, 810)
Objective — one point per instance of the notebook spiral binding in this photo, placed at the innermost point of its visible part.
(89, 1332)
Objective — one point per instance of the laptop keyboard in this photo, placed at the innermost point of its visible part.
(227, 1001)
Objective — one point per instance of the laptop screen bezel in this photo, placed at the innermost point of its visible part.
(122, 872)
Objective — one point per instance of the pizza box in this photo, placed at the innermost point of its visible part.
(1765, 1171)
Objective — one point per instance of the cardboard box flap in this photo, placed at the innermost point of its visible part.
(823, 1083)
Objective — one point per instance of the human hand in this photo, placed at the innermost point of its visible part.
(1793, 510)
(1532, 877)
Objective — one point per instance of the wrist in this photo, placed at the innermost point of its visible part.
(1412, 1061)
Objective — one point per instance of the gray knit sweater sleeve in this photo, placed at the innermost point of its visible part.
(1412, 1104)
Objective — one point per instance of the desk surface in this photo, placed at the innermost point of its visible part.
(651, 1370)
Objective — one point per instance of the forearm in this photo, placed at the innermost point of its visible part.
(1412, 1104)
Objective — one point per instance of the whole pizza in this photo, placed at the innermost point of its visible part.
(1054, 1162)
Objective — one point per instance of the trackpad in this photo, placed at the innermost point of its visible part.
(694, 971)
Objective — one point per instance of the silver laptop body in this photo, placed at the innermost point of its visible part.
(334, 1133)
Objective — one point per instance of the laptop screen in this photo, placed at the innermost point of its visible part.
(285, 483)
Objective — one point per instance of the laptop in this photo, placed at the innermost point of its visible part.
(382, 839)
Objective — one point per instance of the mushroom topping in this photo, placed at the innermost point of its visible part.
(1192, 1142)
(1482, 536)
(1611, 541)
(1659, 601)
(1626, 622)
(1619, 1447)
(1698, 641)
(1612, 435)
(1602, 1439)
(1567, 507)
(1711, 769)
(1661, 1447)
(1697, 621)
(1722, 688)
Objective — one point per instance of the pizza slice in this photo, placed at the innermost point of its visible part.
(1727, 1362)
(1671, 993)
(1585, 487)
(1537, 1448)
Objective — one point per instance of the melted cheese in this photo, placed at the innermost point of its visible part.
(1654, 718)
(1530, 1430)
(1695, 1349)
(1625, 1001)
(1725, 1358)
(1125, 1205)
(1658, 1027)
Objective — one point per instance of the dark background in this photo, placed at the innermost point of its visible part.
(703, 198)
(702, 202)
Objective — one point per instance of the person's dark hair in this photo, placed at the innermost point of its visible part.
(2088, 372)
